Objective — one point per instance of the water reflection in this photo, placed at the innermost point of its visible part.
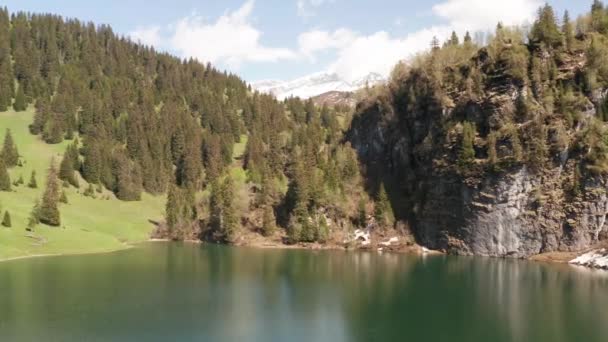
(191, 293)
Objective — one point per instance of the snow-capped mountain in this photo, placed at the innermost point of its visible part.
(315, 84)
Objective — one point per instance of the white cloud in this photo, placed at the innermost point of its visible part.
(359, 55)
(379, 52)
(475, 15)
(231, 40)
(147, 36)
(307, 8)
(314, 41)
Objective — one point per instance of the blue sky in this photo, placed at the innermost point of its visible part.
(284, 39)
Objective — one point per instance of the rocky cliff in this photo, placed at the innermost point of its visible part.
(534, 179)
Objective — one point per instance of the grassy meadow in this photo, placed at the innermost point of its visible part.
(88, 224)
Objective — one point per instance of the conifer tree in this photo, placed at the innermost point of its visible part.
(454, 40)
(9, 153)
(64, 198)
(6, 221)
(34, 217)
(66, 169)
(189, 167)
(223, 215)
(362, 213)
(268, 221)
(53, 131)
(435, 44)
(383, 212)
(545, 29)
(216, 208)
(230, 216)
(49, 209)
(92, 163)
(467, 38)
(172, 207)
(40, 116)
(20, 103)
(599, 18)
(128, 175)
(5, 179)
(6, 68)
(33, 183)
(322, 232)
(568, 31)
(467, 151)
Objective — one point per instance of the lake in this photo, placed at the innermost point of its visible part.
(184, 292)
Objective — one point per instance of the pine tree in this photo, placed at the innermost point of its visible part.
(20, 103)
(64, 198)
(223, 214)
(66, 169)
(216, 208)
(33, 183)
(435, 44)
(545, 29)
(9, 153)
(128, 175)
(467, 151)
(362, 213)
(383, 211)
(268, 221)
(40, 116)
(6, 221)
(454, 40)
(173, 207)
(322, 232)
(568, 31)
(599, 18)
(467, 39)
(5, 179)
(230, 216)
(49, 209)
(6, 68)
(92, 163)
(294, 229)
(34, 217)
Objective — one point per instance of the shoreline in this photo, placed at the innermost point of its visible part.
(33, 256)
(551, 258)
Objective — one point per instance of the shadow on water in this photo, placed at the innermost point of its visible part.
(181, 292)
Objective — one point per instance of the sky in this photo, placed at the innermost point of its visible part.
(286, 39)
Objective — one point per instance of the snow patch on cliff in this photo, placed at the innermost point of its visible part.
(596, 259)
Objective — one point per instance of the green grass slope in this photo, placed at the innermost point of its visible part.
(88, 225)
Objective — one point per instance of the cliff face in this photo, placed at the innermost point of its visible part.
(504, 216)
(516, 213)
(411, 138)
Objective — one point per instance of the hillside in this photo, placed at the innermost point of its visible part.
(88, 224)
(170, 148)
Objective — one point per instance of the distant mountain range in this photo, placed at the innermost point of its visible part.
(315, 84)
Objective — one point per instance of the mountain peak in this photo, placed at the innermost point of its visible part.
(315, 84)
